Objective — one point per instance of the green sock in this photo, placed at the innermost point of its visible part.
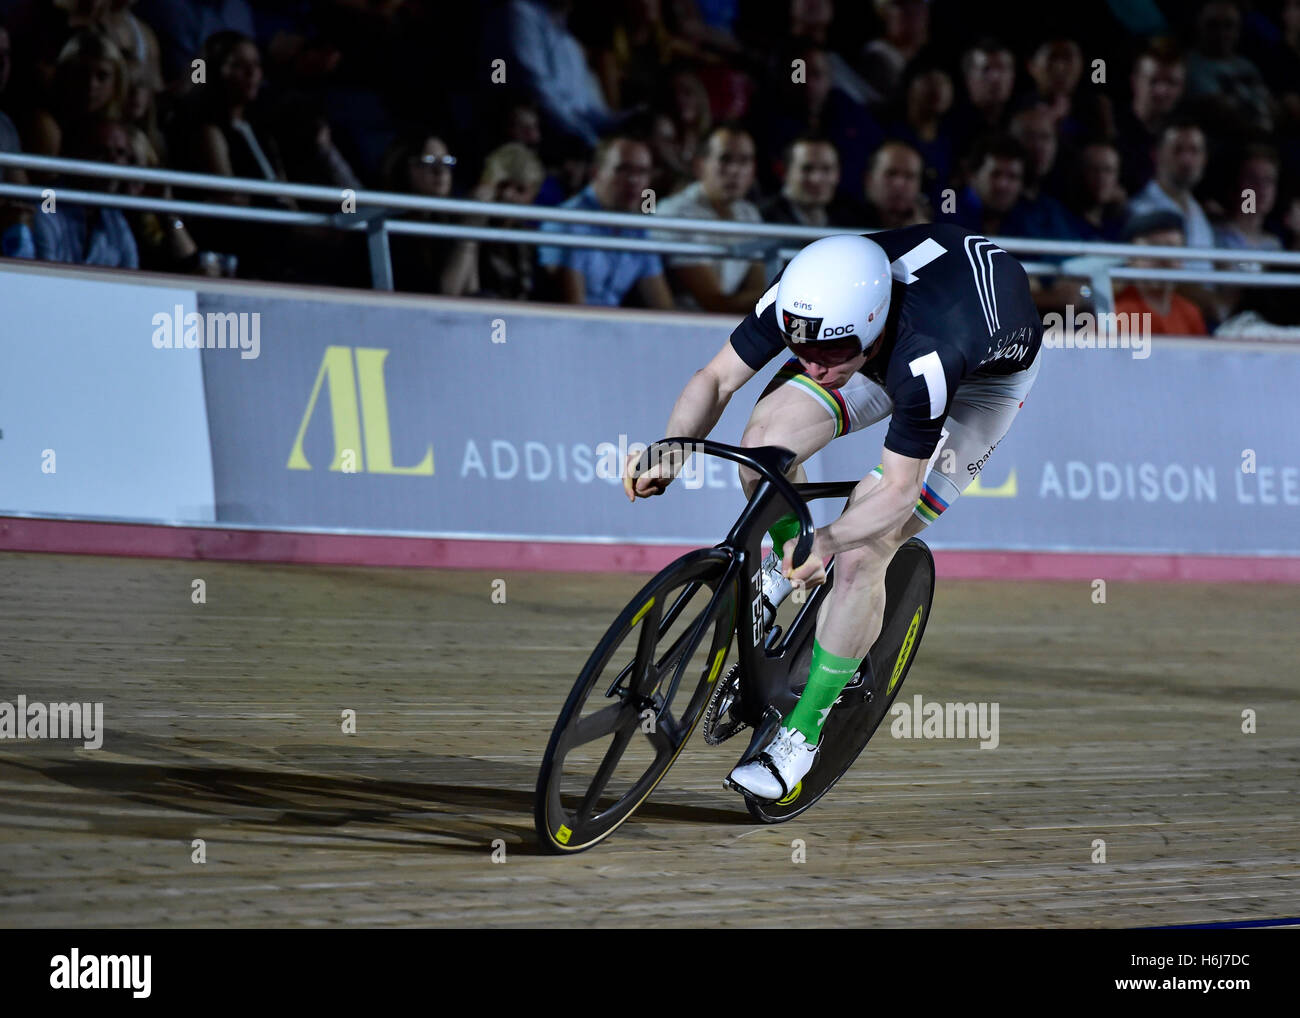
(784, 529)
(827, 678)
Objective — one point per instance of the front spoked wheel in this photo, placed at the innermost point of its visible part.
(636, 703)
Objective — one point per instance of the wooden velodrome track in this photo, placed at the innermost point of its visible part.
(1120, 722)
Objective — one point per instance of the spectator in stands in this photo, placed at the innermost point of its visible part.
(906, 32)
(512, 174)
(224, 135)
(1094, 196)
(15, 217)
(672, 169)
(1035, 128)
(687, 103)
(421, 165)
(16, 239)
(709, 26)
(523, 123)
(221, 130)
(1056, 67)
(39, 30)
(638, 53)
(1180, 164)
(989, 73)
(1157, 83)
(85, 234)
(90, 83)
(1250, 203)
(1249, 199)
(814, 105)
(9, 140)
(998, 166)
(141, 107)
(810, 25)
(307, 147)
(1220, 76)
(807, 198)
(1171, 314)
(6, 56)
(603, 277)
(1280, 64)
(1291, 224)
(726, 173)
(1039, 212)
(163, 240)
(893, 188)
(926, 95)
(540, 48)
(135, 39)
(184, 28)
(570, 168)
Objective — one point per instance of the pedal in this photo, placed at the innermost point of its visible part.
(762, 735)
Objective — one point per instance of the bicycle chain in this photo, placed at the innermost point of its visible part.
(710, 723)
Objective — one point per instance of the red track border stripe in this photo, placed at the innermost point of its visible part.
(80, 537)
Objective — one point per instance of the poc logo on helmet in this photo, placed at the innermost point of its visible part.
(798, 328)
(837, 330)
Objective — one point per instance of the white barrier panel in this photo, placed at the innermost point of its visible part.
(97, 422)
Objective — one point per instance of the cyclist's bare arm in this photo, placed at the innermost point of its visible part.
(882, 510)
(695, 414)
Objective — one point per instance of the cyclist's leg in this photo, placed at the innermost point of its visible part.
(797, 413)
(980, 416)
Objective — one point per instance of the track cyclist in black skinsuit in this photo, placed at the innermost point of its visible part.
(932, 326)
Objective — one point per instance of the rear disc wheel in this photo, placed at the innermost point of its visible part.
(909, 591)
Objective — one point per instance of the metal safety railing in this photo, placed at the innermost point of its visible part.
(377, 214)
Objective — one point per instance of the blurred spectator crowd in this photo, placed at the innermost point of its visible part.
(1152, 121)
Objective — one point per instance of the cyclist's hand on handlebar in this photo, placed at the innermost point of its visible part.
(653, 481)
(810, 574)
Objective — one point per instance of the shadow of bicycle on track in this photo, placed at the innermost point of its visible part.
(482, 801)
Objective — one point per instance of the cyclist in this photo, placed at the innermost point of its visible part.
(931, 325)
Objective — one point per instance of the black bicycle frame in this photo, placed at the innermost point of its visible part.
(766, 695)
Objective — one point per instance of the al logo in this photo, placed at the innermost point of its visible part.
(358, 407)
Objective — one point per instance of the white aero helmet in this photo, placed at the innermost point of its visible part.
(833, 299)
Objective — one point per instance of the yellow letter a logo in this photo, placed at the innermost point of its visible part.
(348, 417)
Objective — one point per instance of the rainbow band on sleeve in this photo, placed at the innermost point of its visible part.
(929, 506)
(792, 371)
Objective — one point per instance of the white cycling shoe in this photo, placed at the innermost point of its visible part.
(775, 772)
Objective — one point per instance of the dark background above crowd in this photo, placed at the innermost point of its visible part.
(1063, 121)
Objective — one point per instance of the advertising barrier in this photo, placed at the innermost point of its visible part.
(513, 423)
(462, 419)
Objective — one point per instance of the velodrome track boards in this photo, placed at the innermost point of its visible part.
(1118, 722)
